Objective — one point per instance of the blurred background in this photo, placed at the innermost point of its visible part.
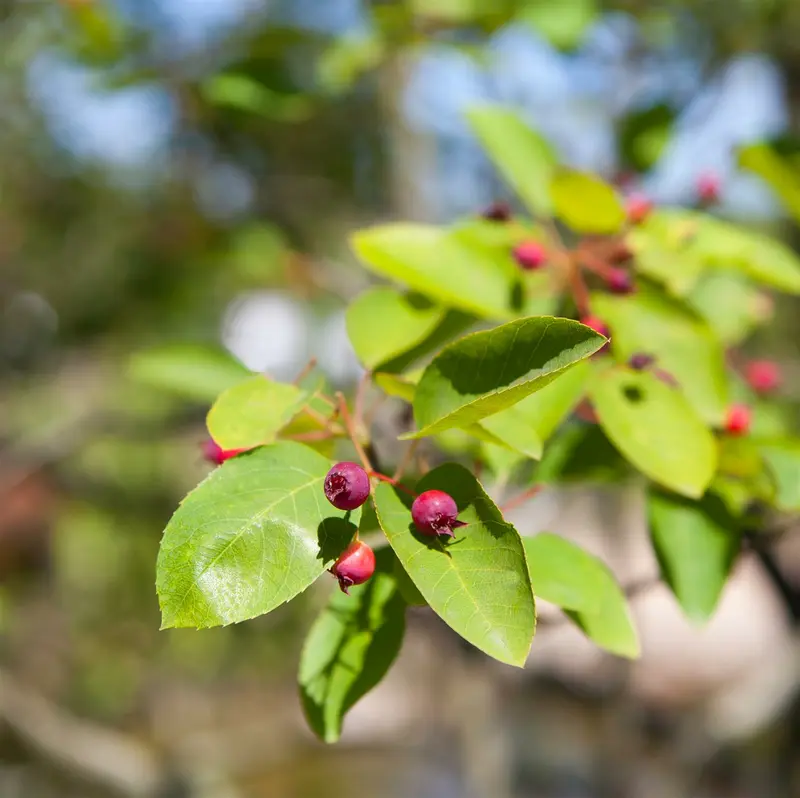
(178, 180)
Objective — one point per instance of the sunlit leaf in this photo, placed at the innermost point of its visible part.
(781, 175)
(585, 203)
(783, 460)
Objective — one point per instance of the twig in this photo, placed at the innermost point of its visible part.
(352, 432)
(580, 293)
(595, 264)
(392, 481)
(407, 458)
(313, 435)
(360, 392)
(326, 421)
(307, 369)
(521, 498)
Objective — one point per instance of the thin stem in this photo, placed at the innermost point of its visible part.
(313, 435)
(392, 481)
(328, 401)
(521, 498)
(580, 293)
(407, 458)
(352, 432)
(307, 369)
(595, 264)
(326, 421)
(360, 393)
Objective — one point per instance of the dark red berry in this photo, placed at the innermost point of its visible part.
(763, 376)
(619, 281)
(498, 212)
(638, 208)
(641, 361)
(355, 565)
(737, 422)
(708, 188)
(435, 513)
(597, 324)
(347, 486)
(214, 453)
(530, 255)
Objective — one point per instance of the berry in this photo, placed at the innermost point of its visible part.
(435, 513)
(620, 252)
(641, 361)
(355, 565)
(708, 188)
(214, 453)
(638, 208)
(596, 324)
(498, 212)
(738, 420)
(530, 255)
(347, 486)
(585, 412)
(763, 376)
(619, 281)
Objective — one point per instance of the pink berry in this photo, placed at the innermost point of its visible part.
(530, 255)
(347, 486)
(355, 565)
(638, 208)
(596, 324)
(619, 281)
(498, 212)
(708, 188)
(641, 361)
(435, 513)
(214, 453)
(763, 376)
(738, 420)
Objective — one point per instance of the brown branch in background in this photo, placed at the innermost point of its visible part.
(325, 421)
(594, 263)
(580, 292)
(360, 394)
(313, 435)
(521, 498)
(352, 432)
(407, 458)
(307, 369)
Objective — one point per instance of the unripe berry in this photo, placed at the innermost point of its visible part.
(530, 255)
(435, 513)
(347, 486)
(596, 324)
(498, 212)
(619, 281)
(355, 565)
(214, 453)
(708, 188)
(738, 420)
(763, 376)
(638, 208)
(641, 361)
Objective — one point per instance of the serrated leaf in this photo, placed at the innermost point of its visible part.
(681, 342)
(656, 429)
(488, 371)
(253, 412)
(783, 460)
(586, 203)
(779, 174)
(479, 583)
(696, 543)
(571, 578)
(193, 371)
(524, 158)
(255, 533)
(350, 648)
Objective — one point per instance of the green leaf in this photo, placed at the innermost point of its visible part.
(696, 543)
(524, 158)
(255, 533)
(346, 59)
(383, 323)
(564, 24)
(478, 584)
(243, 93)
(440, 265)
(488, 371)
(571, 578)
(585, 203)
(350, 647)
(682, 343)
(514, 431)
(656, 429)
(729, 304)
(778, 173)
(783, 460)
(408, 589)
(193, 371)
(401, 386)
(253, 412)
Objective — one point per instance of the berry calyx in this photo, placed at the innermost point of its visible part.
(214, 453)
(763, 376)
(738, 420)
(619, 281)
(346, 486)
(708, 188)
(638, 208)
(641, 361)
(355, 565)
(596, 324)
(498, 212)
(530, 255)
(435, 513)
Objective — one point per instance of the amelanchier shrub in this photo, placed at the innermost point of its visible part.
(594, 340)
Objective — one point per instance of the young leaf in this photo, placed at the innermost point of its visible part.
(401, 386)
(783, 178)
(563, 25)
(654, 426)
(383, 323)
(190, 370)
(255, 533)
(488, 371)
(783, 460)
(696, 543)
(479, 583)
(350, 647)
(253, 412)
(571, 578)
(585, 203)
(524, 158)
(730, 305)
(681, 342)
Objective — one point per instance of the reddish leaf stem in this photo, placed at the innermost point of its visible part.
(352, 432)
(392, 481)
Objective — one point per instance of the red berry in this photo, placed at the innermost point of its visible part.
(638, 208)
(738, 420)
(214, 453)
(347, 486)
(435, 513)
(619, 281)
(355, 565)
(708, 188)
(585, 412)
(530, 255)
(498, 212)
(764, 376)
(641, 361)
(598, 325)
